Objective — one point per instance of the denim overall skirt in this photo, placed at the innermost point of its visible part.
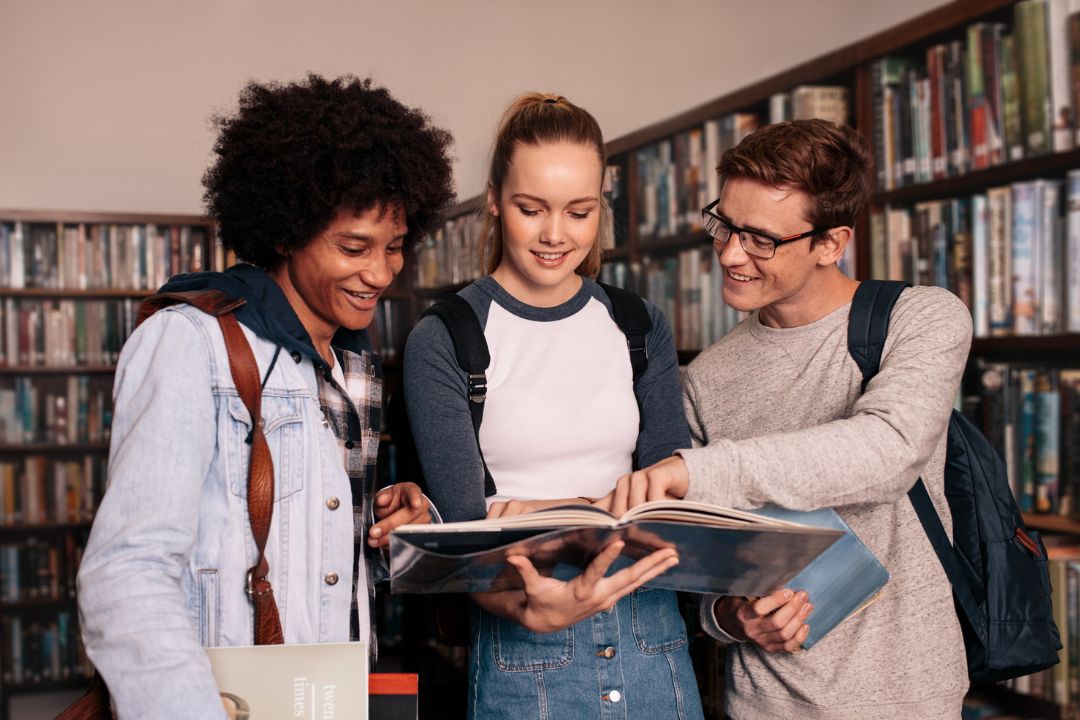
(627, 663)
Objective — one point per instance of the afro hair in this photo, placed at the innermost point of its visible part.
(295, 155)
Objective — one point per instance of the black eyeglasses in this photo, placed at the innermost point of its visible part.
(754, 242)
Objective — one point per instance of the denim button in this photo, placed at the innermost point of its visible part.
(333, 503)
(331, 578)
(296, 356)
(613, 696)
(608, 652)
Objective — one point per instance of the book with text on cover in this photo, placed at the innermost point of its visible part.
(720, 550)
(279, 682)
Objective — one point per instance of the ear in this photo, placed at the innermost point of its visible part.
(831, 248)
(492, 205)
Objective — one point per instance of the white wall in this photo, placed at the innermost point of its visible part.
(104, 105)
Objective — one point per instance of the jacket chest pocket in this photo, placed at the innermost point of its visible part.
(283, 425)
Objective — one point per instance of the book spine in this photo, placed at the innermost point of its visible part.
(1025, 214)
(1057, 30)
(1047, 438)
(980, 266)
(1071, 264)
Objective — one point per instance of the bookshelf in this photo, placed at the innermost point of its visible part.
(70, 287)
(664, 256)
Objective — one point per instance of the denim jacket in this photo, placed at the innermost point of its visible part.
(165, 566)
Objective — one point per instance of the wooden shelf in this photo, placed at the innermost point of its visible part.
(43, 528)
(1026, 706)
(440, 290)
(1063, 349)
(682, 241)
(66, 293)
(52, 217)
(54, 448)
(46, 686)
(1052, 523)
(35, 604)
(972, 182)
(57, 370)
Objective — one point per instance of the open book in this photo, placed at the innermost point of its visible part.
(721, 550)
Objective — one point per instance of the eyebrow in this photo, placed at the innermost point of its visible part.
(542, 201)
(751, 228)
(346, 235)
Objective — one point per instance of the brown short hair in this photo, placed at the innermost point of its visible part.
(532, 119)
(830, 163)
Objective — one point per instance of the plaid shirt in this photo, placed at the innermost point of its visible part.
(353, 413)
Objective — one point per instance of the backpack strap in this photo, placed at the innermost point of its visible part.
(868, 326)
(260, 485)
(632, 317)
(471, 350)
(868, 323)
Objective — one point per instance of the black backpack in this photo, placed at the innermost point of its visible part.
(997, 567)
(471, 351)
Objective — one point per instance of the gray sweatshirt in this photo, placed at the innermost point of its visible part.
(776, 417)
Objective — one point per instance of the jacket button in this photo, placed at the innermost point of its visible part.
(333, 503)
(331, 578)
(608, 652)
(349, 444)
(296, 356)
(614, 696)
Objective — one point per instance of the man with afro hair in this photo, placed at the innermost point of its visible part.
(319, 188)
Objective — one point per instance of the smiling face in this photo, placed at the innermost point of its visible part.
(549, 207)
(801, 282)
(336, 279)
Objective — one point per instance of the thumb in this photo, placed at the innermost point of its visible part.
(525, 568)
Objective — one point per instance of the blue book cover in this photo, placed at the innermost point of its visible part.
(841, 580)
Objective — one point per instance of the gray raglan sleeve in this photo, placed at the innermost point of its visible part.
(873, 456)
(663, 423)
(438, 406)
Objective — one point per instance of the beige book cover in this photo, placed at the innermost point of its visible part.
(285, 682)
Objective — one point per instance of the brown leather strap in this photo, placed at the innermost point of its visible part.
(211, 302)
(94, 705)
(245, 372)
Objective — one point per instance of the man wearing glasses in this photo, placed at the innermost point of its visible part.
(776, 416)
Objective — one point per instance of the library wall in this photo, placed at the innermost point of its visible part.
(107, 103)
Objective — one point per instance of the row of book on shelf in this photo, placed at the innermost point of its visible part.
(60, 410)
(1012, 253)
(38, 651)
(81, 256)
(37, 489)
(1032, 416)
(1002, 93)
(56, 333)
(676, 177)
(39, 569)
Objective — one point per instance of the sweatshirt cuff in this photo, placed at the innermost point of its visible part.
(707, 618)
(713, 472)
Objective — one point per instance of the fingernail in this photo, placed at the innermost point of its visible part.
(808, 609)
(803, 597)
(376, 532)
(788, 594)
